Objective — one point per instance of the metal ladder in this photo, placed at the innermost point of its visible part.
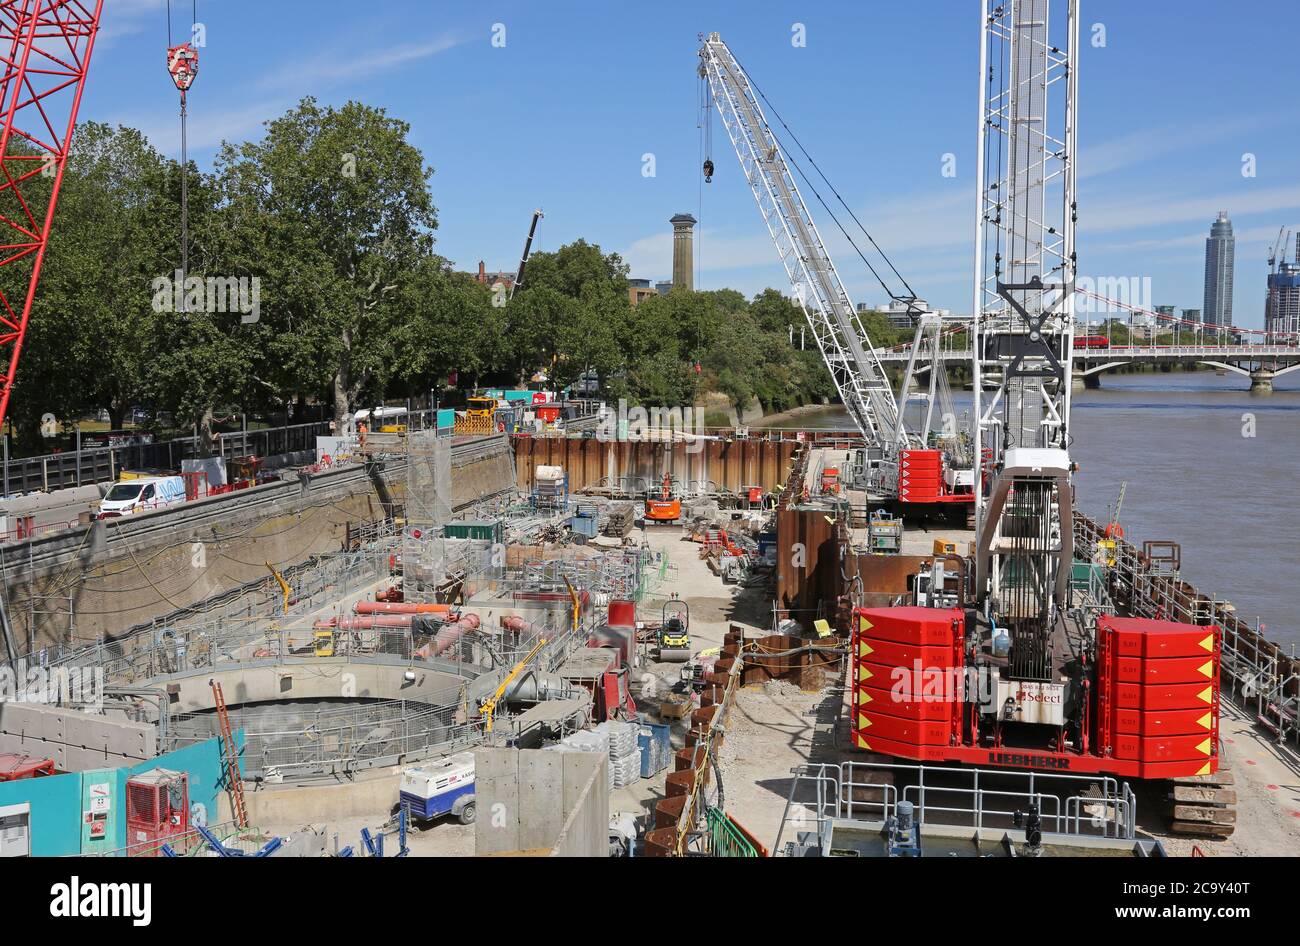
(230, 753)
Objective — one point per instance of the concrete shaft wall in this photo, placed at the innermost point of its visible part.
(296, 804)
(316, 679)
(97, 581)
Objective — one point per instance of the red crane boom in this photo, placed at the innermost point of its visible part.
(45, 48)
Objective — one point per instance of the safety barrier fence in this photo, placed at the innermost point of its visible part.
(725, 837)
(105, 464)
(312, 741)
(474, 425)
(1255, 672)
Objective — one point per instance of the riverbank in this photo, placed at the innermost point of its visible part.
(783, 420)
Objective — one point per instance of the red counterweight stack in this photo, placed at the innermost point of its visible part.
(908, 679)
(1158, 695)
(920, 476)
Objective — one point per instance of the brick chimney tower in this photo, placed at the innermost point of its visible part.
(683, 250)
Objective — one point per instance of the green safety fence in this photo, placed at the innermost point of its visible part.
(726, 838)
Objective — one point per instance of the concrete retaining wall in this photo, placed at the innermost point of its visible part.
(97, 581)
(317, 679)
(293, 805)
(76, 741)
(539, 803)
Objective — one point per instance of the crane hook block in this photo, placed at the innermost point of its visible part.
(708, 171)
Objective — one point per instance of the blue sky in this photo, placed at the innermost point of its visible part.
(560, 116)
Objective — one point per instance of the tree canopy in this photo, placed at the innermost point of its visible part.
(314, 278)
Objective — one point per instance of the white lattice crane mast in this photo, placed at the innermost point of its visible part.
(853, 363)
(1024, 313)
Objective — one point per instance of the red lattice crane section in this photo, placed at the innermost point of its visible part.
(45, 48)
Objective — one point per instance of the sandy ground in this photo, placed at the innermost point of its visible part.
(1268, 795)
(714, 606)
(445, 837)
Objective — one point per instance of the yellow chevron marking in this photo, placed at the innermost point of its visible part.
(1204, 747)
(1206, 695)
(1206, 669)
(1204, 770)
(864, 624)
(1207, 720)
(864, 722)
(864, 648)
(1208, 643)
(866, 698)
(865, 673)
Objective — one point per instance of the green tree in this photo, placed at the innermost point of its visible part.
(574, 267)
(342, 203)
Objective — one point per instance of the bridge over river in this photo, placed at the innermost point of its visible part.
(1261, 363)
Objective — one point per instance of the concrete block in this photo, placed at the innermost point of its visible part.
(496, 793)
(541, 798)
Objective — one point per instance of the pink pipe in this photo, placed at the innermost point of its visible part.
(386, 607)
(449, 635)
(366, 622)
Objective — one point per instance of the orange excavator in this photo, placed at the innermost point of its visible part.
(665, 510)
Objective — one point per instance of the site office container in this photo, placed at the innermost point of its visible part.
(482, 530)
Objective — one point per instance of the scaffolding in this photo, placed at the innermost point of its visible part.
(428, 478)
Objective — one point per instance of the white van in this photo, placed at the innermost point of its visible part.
(144, 495)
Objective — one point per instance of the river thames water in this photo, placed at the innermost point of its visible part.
(1208, 465)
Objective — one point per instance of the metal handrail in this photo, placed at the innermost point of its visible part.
(1257, 675)
(836, 789)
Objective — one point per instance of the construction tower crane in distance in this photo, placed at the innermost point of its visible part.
(1277, 255)
(528, 249)
(854, 365)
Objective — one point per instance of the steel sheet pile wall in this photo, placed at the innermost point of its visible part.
(809, 572)
(807, 664)
(683, 804)
(639, 466)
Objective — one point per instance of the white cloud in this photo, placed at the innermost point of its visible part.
(1152, 210)
(342, 66)
(127, 17)
(1147, 144)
